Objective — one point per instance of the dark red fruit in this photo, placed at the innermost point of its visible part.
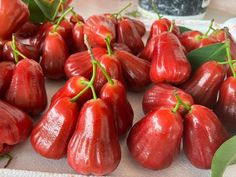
(115, 95)
(155, 140)
(51, 135)
(78, 37)
(55, 54)
(79, 64)
(128, 34)
(15, 126)
(205, 83)
(97, 28)
(203, 135)
(27, 88)
(72, 87)
(96, 131)
(169, 63)
(164, 95)
(27, 30)
(135, 70)
(226, 104)
(6, 72)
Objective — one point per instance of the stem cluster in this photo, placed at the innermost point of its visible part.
(180, 103)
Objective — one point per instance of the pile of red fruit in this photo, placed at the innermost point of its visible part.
(111, 60)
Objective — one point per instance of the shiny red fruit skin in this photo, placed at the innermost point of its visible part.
(15, 126)
(205, 83)
(114, 69)
(128, 34)
(148, 50)
(169, 63)
(163, 95)
(29, 51)
(74, 19)
(52, 133)
(155, 140)
(135, 70)
(203, 135)
(140, 26)
(190, 39)
(160, 26)
(6, 71)
(55, 54)
(27, 88)
(226, 105)
(79, 64)
(27, 30)
(96, 131)
(38, 39)
(123, 114)
(71, 88)
(13, 14)
(97, 28)
(78, 37)
(121, 46)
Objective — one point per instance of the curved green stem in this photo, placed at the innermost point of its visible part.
(179, 103)
(108, 43)
(228, 53)
(172, 26)
(61, 18)
(210, 27)
(117, 14)
(13, 46)
(154, 8)
(109, 80)
(7, 156)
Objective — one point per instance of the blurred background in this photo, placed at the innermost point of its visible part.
(220, 10)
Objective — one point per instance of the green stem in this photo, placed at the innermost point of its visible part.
(9, 157)
(110, 81)
(226, 62)
(75, 16)
(108, 43)
(61, 18)
(172, 26)
(154, 8)
(13, 46)
(179, 103)
(227, 44)
(210, 27)
(122, 10)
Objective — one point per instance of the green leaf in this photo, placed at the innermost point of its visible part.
(183, 29)
(223, 157)
(36, 15)
(49, 9)
(199, 56)
(43, 10)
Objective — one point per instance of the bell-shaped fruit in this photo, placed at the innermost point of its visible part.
(94, 147)
(203, 135)
(128, 34)
(226, 105)
(78, 37)
(55, 54)
(135, 70)
(169, 63)
(52, 133)
(27, 88)
(115, 95)
(155, 140)
(13, 14)
(15, 126)
(205, 83)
